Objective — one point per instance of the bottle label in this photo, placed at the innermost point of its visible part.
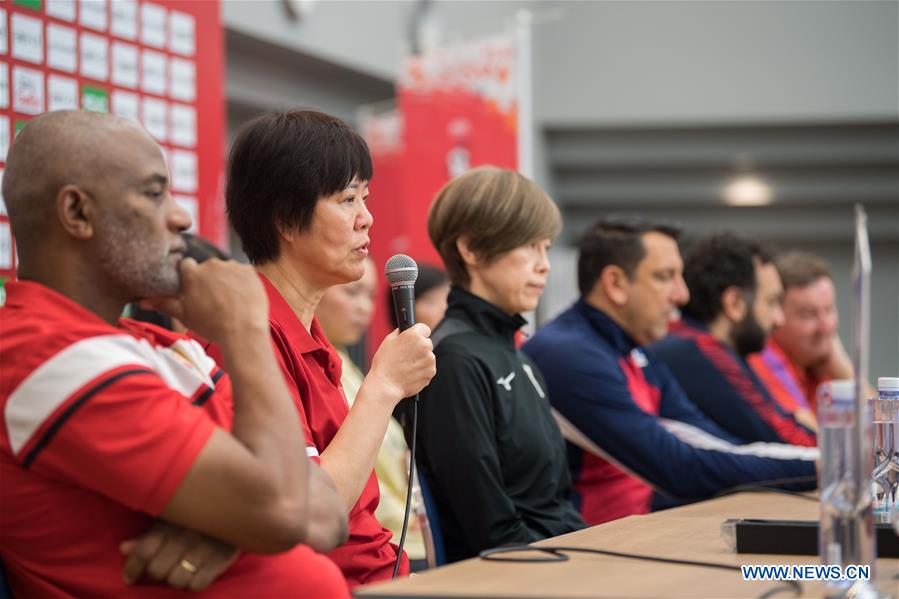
(836, 418)
(895, 431)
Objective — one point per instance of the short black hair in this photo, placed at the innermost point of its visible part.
(281, 163)
(615, 240)
(715, 263)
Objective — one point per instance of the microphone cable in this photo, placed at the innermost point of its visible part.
(399, 551)
(558, 554)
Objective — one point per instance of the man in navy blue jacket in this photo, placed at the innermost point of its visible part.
(629, 426)
(735, 295)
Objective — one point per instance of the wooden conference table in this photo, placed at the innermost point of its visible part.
(692, 532)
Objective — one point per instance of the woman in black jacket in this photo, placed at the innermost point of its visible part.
(488, 445)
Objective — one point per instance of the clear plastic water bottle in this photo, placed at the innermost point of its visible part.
(881, 414)
(845, 533)
(896, 508)
(885, 478)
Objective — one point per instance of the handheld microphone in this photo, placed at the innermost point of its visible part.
(401, 272)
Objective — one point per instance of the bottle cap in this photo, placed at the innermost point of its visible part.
(888, 383)
(840, 391)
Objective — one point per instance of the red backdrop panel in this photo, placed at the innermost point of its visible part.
(457, 109)
(67, 56)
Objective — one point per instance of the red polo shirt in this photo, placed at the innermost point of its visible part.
(312, 369)
(98, 426)
(791, 385)
(607, 491)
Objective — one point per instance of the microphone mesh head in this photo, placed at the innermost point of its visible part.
(401, 269)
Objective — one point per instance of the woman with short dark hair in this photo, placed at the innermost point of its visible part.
(296, 196)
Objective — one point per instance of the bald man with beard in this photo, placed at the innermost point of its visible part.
(108, 424)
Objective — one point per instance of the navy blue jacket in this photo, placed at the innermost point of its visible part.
(583, 355)
(721, 384)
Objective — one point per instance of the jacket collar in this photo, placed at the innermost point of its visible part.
(486, 317)
(691, 327)
(691, 323)
(607, 328)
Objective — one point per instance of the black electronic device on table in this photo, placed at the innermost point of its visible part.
(798, 537)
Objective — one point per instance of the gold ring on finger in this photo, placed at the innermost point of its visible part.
(188, 565)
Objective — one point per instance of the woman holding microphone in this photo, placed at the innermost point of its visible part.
(296, 196)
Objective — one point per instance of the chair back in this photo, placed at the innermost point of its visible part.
(5, 591)
(433, 536)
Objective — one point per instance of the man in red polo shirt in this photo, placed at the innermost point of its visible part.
(805, 350)
(99, 432)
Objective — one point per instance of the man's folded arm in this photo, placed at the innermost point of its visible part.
(250, 488)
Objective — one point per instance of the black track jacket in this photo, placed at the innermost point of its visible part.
(488, 446)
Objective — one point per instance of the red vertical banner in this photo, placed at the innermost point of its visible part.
(159, 63)
(457, 109)
(459, 106)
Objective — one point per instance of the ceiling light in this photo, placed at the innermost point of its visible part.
(747, 190)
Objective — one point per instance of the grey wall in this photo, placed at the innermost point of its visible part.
(357, 35)
(368, 36)
(637, 62)
(263, 76)
(689, 61)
